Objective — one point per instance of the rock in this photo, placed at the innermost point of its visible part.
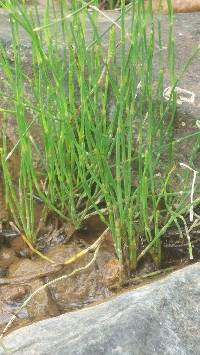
(3, 271)
(82, 288)
(160, 318)
(41, 306)
(8, 310)
(90, 286)
(50, 235)
(26, 268)
(75, 292)
(108, 266)
(94, 284)
(13, 293)
(19, 246)
(11, 298)
(7, 257)
(61, 253)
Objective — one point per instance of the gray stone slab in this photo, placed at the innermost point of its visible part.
(159, 318)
